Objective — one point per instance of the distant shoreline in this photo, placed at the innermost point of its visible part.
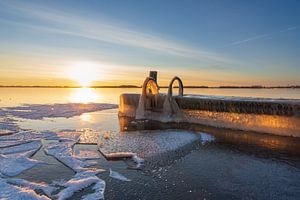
(134, 86)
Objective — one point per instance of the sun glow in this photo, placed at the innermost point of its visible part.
(84, 95)
(84, 73)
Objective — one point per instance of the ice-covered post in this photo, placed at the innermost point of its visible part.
(153, 74)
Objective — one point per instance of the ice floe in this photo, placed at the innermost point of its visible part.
(148, 148)
(28, 146)
(8, 126)
(70, 135)
(15, 154)
(9, 143)
(80, 181)
(117, 175)
(14, 192)
(14, 164)
(25, 136)
(145, 143)
(18, 146)
(40, 111)
(47, 189)
(121, 155)
(89, 136)
(63, 151)
(85, 176)
(86, 154)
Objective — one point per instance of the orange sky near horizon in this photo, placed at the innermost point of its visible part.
(40, 70)
(45, 71)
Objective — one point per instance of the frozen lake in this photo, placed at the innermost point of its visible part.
(58, 151)
(17, 96)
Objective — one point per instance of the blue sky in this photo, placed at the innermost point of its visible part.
(205, 42)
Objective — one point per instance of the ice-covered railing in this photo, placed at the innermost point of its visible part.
(283, 107)
(276, 116)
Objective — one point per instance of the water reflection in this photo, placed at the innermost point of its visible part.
(86, 117)
(85, 95)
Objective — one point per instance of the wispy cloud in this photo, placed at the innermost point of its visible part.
(56, 21)
(262, 36)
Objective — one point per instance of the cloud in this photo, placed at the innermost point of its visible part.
(56, 21)
(258, 37)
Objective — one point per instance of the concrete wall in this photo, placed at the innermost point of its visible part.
(275, 116)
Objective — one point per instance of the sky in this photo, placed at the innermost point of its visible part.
(205, 42)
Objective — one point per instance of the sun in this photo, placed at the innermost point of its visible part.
(84, 73)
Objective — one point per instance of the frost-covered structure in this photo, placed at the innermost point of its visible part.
(276, 116)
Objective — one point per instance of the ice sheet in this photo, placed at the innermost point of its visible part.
(80, 181)
(25, 136)
(14, 164)
(12, 192)
(87, 154)
(28, 146)
(146, 143)
(40, 111)
(63, 151)
(7, 126)
(66, 136)
(10, 143)
(47, 189)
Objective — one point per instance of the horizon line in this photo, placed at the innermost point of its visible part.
(136, 86)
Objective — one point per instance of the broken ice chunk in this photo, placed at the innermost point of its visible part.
(47, 189)
(80, 181)
(14, 164)
(87, 154)
(117, 175)
(26, 146)
(16, 193)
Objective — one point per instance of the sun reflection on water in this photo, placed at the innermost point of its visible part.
(84, 95)
(86, 117)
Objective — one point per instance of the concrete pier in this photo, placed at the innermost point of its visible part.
(275, 116)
